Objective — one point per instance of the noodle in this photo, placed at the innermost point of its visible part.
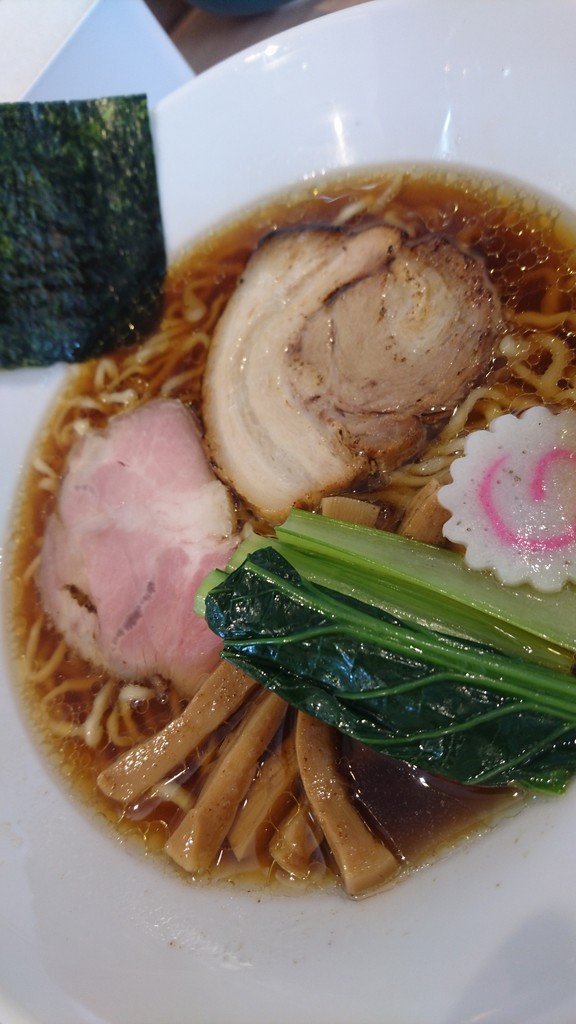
(273, 831)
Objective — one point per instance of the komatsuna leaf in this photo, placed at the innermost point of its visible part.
(450, 706)
(82, 257)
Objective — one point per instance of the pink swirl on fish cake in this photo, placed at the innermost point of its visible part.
(513, 498)
(537, 493)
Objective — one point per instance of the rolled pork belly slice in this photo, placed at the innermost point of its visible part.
(337, 357)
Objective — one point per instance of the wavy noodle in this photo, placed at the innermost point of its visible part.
(535, 363)
(540, 368)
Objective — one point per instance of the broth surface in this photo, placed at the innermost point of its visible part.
(85, 719)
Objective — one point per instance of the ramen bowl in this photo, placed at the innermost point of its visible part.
(93, 931)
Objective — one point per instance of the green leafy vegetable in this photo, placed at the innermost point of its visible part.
(82, 257)
(445, 703)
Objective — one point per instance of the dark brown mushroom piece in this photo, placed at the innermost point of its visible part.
(337, 357)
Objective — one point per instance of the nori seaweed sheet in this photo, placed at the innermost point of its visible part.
(82, 257)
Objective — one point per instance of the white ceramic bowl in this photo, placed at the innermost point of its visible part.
(90, 931)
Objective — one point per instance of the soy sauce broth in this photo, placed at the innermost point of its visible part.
(528, 246)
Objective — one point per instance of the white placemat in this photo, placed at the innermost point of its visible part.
(118, 48)
(31, 33)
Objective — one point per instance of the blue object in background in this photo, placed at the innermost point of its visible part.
(237, 6)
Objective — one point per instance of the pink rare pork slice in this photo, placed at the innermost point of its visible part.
(140, 520)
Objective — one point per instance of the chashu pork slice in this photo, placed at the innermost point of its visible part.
(335, 357)
(140, 520)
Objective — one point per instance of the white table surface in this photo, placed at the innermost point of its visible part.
(80, 49)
